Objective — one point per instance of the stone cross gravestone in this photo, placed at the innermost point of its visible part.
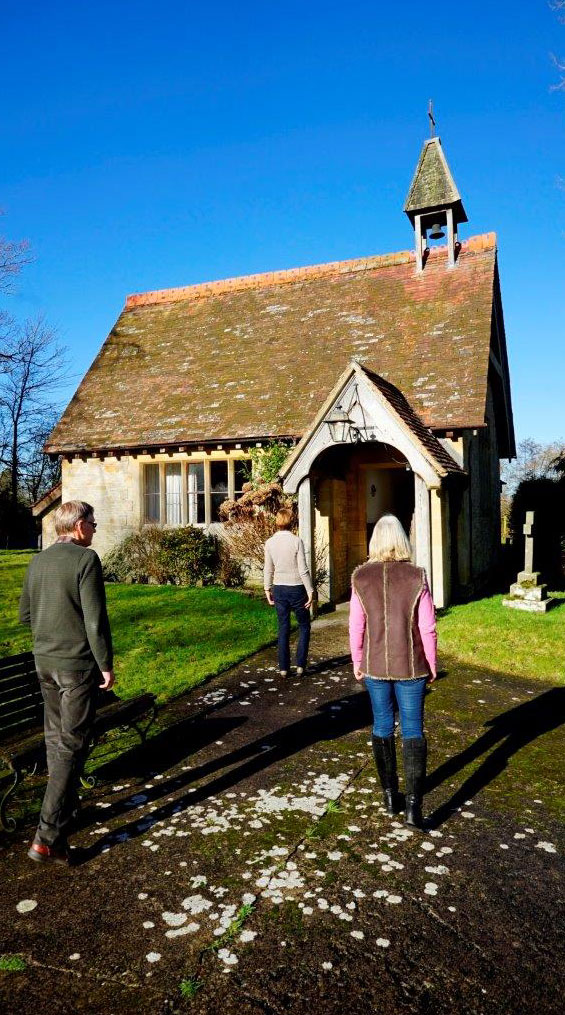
(527, 592)
(529, 543)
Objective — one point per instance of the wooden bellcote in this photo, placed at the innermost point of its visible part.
(433, 200)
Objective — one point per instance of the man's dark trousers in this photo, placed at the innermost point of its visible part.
(70, 705)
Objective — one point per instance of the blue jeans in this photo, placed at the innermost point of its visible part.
(410, 697)
(287, 598)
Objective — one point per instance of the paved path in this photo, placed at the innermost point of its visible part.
(258, 803)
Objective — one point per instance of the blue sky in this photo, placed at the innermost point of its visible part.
(148, 145)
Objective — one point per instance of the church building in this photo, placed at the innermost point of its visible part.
(387, 376)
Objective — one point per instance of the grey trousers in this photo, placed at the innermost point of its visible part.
(70, 706)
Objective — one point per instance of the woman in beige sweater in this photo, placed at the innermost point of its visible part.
(288, 586)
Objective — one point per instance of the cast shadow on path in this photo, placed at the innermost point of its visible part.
(178, 742)
(169, 747)
(511, 730)
(332, 720)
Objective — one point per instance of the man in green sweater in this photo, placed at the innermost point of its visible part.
(64, 601)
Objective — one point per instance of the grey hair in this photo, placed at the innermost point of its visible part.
(69, 514)
(389, 540)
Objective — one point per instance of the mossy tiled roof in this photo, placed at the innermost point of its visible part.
(433, 185)
(256, 357)
(431, 446)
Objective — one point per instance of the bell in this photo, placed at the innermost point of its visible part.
(437, 232)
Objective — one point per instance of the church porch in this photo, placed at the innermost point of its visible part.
(367, 454)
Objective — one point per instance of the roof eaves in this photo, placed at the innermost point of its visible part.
(162, 447)
(47, 500)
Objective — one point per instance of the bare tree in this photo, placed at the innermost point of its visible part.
(533, 461)
(38, 472)
(34, 367)
(13, 257)
(559, 462)
(559, 7)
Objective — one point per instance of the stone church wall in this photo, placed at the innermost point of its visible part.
(484, 470)
(48, 534)
(113, 487)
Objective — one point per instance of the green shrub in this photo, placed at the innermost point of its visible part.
(231, 572)
(189, 556)
(181, 556)
(267, 461)
(138, 558)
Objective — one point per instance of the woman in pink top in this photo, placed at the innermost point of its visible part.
(392, 634)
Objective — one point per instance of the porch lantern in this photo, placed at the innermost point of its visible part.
(339, 423)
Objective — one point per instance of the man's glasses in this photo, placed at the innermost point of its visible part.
(90, 522)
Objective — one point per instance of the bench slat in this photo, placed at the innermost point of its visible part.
(19, 691)
(9, 718)
(108, 718)
(32, 699)
(23, 657)
(22, 680)
(18, 677)
(17, 673)
(21, 710)
(20, 706)
(21, 701)
(22, 723)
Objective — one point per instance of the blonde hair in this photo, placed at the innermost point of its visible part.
(389, 540)
(283, 519)
(69, 514)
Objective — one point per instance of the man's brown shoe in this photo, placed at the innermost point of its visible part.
(46, 854)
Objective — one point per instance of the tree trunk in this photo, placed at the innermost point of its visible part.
(14, 467)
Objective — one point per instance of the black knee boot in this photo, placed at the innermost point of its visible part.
(415, 752)
(384, 750)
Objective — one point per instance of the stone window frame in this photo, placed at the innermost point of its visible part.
(206, 461)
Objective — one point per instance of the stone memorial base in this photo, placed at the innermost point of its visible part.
(527, 594)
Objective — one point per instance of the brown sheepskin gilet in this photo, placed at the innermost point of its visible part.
(392, 646)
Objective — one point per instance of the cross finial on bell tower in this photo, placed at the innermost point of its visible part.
(431, 118)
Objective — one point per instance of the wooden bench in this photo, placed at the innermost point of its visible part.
(22, 747)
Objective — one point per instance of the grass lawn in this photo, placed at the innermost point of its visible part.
(488, 635)
(166, 638)
(13, 637)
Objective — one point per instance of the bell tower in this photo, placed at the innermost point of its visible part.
(434, 202)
